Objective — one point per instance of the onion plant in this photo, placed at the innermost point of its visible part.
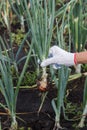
(6, 81)
(6, 13)
(78, 24)
(7, 89)
(40, 18)
(60, 77)
(82, 121)
(60, 81)
(76, 32)
(75, 12)
(7, 60)
(78, 27)
(18, 8)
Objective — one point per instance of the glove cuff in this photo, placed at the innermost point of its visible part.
(75, 60)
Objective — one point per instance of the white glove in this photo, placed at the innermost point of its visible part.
(60, 57)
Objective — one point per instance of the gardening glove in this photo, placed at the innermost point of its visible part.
(60, 57)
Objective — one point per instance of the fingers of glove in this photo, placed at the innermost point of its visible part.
(55, 50)
(47, 62)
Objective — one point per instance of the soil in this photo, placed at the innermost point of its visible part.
(28, 104)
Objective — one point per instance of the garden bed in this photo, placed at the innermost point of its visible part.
(29, 101)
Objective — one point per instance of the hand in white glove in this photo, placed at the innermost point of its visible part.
(60, 57)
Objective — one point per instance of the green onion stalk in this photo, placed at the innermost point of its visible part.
(5, 13)
(7, 89)
(60, 78)
(7, 60)
(77, 26)
(82, 121)
(58, 102)
(0, 126)
(6, 80)
(40, 20)
(18, 9)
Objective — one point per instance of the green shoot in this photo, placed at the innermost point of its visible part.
(58, 103)
(40, 18)
(6, 81)
(82, 121)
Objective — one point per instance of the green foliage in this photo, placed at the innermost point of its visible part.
(29, 78)
(6, 82)
(85, 93)
(5, 13)
(41, 21)
(63, 74)
(78, 25)
(7, 87)
(0, 125)
(84, 67)
(73, 109)
(82, 121)
(17, 37)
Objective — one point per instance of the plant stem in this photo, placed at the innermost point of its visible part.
(44, 74)
(81, 124)
(14, 124)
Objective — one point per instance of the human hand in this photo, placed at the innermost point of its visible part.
(60, 57)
